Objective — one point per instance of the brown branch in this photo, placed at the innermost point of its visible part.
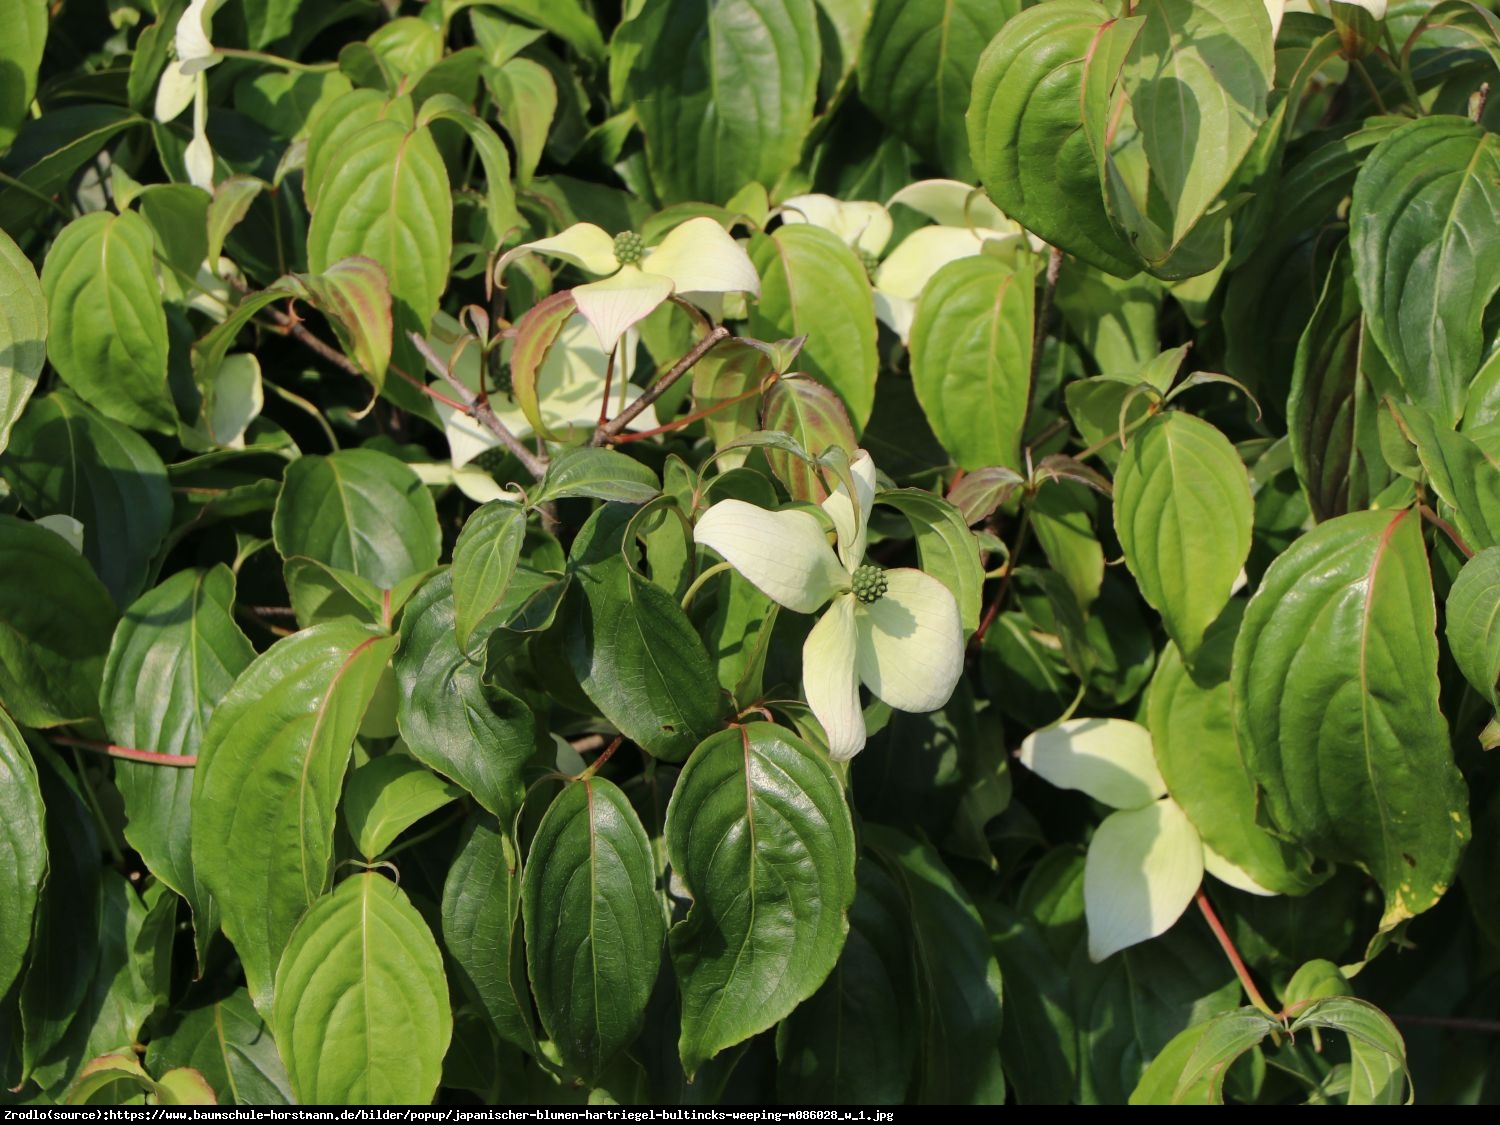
(1449, 1023)
(472, 405)
(150, 757)
(612, 429)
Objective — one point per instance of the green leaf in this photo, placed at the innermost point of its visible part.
(501, 217)
(812, 284)
(110, 1080)
(634, 651)
(1473, 623)
(594, 924)
(1331, 408)
(484, 562)
(916, 69)
(853, 1042)
(385, 196)
(1423, 205)
(481, 920)
(362, 1015)
(1062, 516)
(355, 295)
(66, 935)
(1190, 1069)
(971, 358)
(724, 91)
(569, 20)
(23, 849)
(1462, 472)
(20, 59)
(602, 474)
(361, 511)
(387, 795)
(270, 20)
(69, 460)
(758, 831)
(227, 1043)
(454, 717)
(1336, 707)
(23, 330)
(1026, 131)
(946, 547)
(1377, 1070)
(526, 100)
(957, 978)
(184, 1086)
(181, 639)
(1191, 716)
(55, 624)
(270, 771)
(1195, 83)
(48, 152)
(107, 328)
(1183, 512)
(1039, 1038)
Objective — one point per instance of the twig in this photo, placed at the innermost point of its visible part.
(480, 411)
(1447, 529)
(1450, 1023)
(612, 429)
(150, 757)
(1226, 943)
(1043, 315)
(1004, 588)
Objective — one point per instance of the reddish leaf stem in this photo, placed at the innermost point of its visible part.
(611, 429)
(130, 754)
(1226, 943)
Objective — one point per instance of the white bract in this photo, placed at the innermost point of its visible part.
(185, 81)
(967, 223)
(1145, 861)
(1277, 8)
(695, 260)
(898, 631)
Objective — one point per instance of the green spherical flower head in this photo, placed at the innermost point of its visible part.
(869, 583)
(629, 247)
(870, 261)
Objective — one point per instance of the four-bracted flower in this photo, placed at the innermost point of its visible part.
(694, 259)
(898, 631)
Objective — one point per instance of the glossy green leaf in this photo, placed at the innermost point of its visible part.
(69, 460)
(1062, 517)
(1026, 131)
(1423, 204)
(958, 981)
(355, 295)
(1191, 716)
(361, 511)
(946, 547)
(601, 474)
(23, 330)
(107, 329)
(971, 358)
(1196, 80)
(181, 638)
(484, 562)
(569, 20)
(387, 795)
(916, 69)
(269, 775)
(724, 91)
(1462, 471)
(501, 217)
(55, 624)
(482, 929)
(1473, 623)
(110, 1080)
(1190, 1069)
(227, 1043)
(812, 284)
(20, 58)
(48, 153)
(1038, 1039)
(853, 1042)
(385, 196)
(1377, 1070)
(1336, 707)
(362, 1014)
(455, 718)
(594, 924)
(759, 833)
(23, 849)
(526, 98)
(1183, 512)
(619, 648)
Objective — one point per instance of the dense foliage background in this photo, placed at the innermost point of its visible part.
(425, 667)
